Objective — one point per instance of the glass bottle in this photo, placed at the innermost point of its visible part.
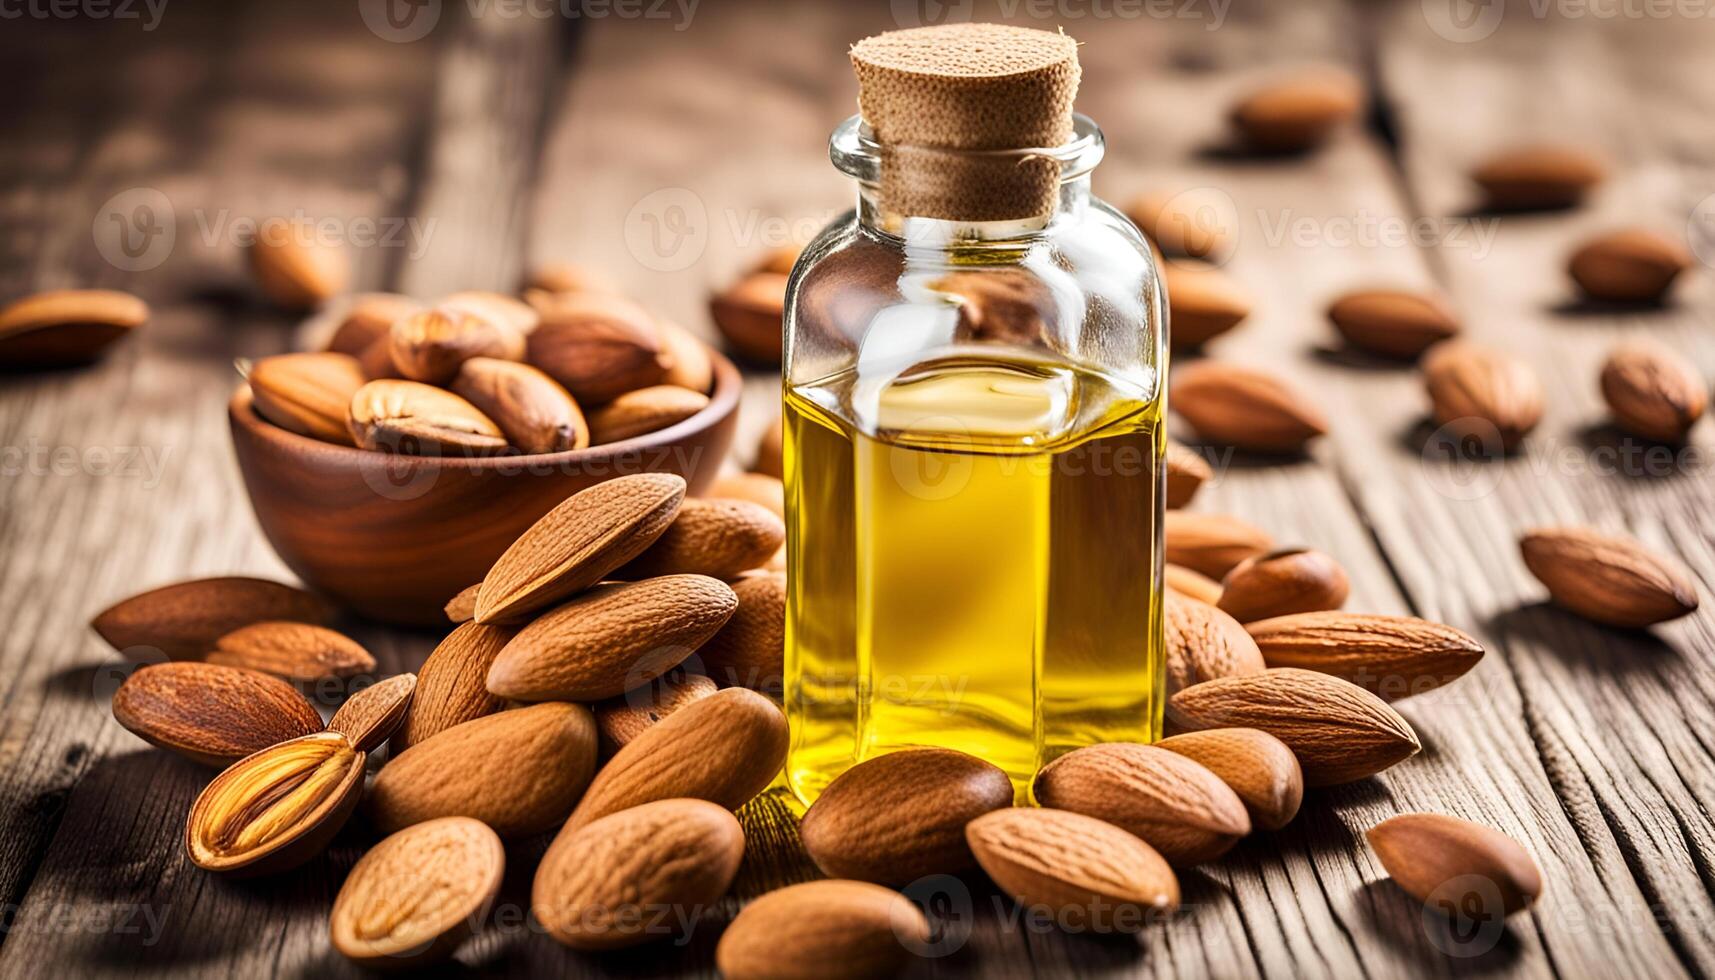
(973, 443)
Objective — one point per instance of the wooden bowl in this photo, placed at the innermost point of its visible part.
(394, 537)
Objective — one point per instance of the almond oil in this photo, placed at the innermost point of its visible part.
(973, 550)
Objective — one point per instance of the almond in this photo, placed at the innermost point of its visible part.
(414, 897)
(611, 639)
(724, 748)
(1606, 578)
(184, 620)
(518, 771)
(309, 394)
(1198, 222)
(758, 488)
(431, 345)
(598, 346)
(1256, 765)
(211, 714)
(1389, 656)
(1000, 304)
(1212, 544)
(1537, 177)
(1339, 731)
(836, 930)
(1187, 471)
(620, 720)
(1298, 113)
(1204, 643)
(461, 608)
(749, 315)
(1283, 582)
(570, 277)
(452, 684)
(531, 409)
(275, 809)
(1480, 393)
(368, 319)
(750, 650)
(295, 651)
(1175, 805)
(1393, 322)
(1203, 302)
(370, 716)
(780, 260)
(901, 816)
(636, 875)
(645, 410)
(376, 360)
(1085, 873)
(63, 327)
(1194, 585)
(1434, 858)
(1245, 408)
(293, 268)
(712, 537)
(1633, 265)
(498, 308)
(420, 420)
(1652, 391)
(692, 368)
(578, 543)
(770, 452)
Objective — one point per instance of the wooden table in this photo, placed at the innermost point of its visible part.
(512, 138)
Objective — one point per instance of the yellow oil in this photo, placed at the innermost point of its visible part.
(973, 553)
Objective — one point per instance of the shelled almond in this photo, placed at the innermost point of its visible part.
(1482, 393)
(63, 327)
(1538, 177)
(1246, 408)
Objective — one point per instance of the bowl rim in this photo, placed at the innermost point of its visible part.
(723, 401)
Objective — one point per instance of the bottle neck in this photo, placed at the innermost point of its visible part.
(874, 215)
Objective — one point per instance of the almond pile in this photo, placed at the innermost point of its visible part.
(484, 373)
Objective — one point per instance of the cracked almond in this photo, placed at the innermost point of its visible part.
(370, 716)
(421, 420)
(277, 808)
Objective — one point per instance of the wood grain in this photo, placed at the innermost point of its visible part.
(529, 140)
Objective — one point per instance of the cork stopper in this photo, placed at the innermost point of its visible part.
(947, 103)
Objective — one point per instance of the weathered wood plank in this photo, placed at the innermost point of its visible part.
(226, 115)
(1621, 720)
